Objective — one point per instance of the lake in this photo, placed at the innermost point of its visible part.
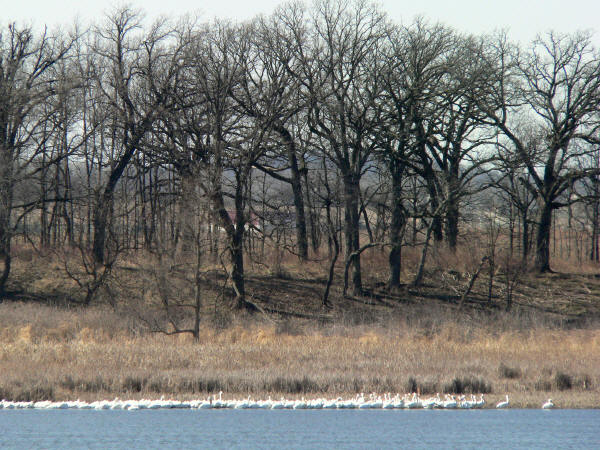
(177, 429)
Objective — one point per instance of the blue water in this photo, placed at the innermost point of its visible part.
(175, 429)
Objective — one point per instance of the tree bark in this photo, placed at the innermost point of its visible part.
(314, 233)
(296, 183)
(525, 238)
(187, 209)
(351, 229)
(6, 198)
(542, 251)
(421, 269)
(452, 217)
(334, 256)
(237, 268)
(396, 229)
(235, 236)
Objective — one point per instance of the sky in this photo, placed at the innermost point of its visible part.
(523, 19)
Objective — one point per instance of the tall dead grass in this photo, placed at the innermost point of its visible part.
(66, 352)
(48, 352)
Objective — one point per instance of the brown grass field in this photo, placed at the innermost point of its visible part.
(548, 345)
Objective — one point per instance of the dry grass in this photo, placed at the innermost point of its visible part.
(49, 352)
(411, 340)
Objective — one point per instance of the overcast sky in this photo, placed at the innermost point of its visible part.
(523, 18)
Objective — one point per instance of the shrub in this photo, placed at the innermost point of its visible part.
(468, 385)
(509, 372)
(132, 384)
(563, 381)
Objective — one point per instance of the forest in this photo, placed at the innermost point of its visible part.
(176, 167)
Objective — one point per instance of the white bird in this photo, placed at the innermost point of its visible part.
(278, 404)
(300, 404)
(243, 404)
(398, 402)
(388, 402)
(317, 403)
(548, 404)
(219, 403)
(502, 405)
(332, 404)
(206, 404)
(481, 402)
(450, 402)
(467, 404)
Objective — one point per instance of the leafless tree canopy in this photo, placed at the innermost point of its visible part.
(318, 125)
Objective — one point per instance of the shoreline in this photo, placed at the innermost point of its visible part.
(316, 403)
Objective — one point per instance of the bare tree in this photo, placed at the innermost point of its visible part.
(26, 85)
(234, 141)
(557, 85)
(511, 182)
(339, 72)
(137, 77)
(270, 95)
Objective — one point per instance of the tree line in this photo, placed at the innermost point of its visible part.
(319, 124)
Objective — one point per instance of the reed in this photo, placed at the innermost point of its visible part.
(55, 353)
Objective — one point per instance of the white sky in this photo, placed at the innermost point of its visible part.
(523, 18)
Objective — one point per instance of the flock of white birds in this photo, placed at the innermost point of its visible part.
(373, 401)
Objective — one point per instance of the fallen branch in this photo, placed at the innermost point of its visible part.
(472, 282)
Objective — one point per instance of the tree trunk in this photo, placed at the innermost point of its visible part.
(235, 236)
(295, 181)
(301, 235)
(595, 247)
(437, 229)
(314, 233)
(525, 238)
(101, 213)
(6, 198)
(396, 229)
(437, 218)
(333, 255)
(421, 269)
(187, 209)
(452, 210)
(237, 268)
(452, 216)
(542, 250)
(363, 211)
(351, 228)
(103, 204)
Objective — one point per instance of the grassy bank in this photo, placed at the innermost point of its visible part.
(413, 339)
(49, 352)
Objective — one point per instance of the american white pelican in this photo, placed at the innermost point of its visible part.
(480, 403)
(450, 402)
(502, 405)
(332, 404)
(278, 404)
(548, 404)
(300, 404)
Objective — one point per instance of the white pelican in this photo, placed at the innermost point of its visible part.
(278, 404)
(502, 405)
(450, 402)
(548, 404)
(480, 403)
(243, 404)
(332, 404)
(300, 404)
